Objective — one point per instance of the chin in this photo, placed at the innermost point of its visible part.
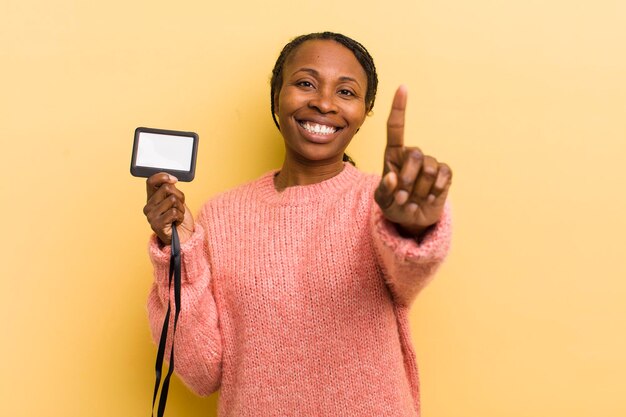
(317, 153)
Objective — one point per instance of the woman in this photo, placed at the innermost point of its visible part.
(296, 286)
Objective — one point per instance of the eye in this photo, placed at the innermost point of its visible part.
(304, 84)
(346, 92)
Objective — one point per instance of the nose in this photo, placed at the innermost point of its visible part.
(324, 101)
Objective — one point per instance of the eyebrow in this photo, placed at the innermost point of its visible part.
(314, 72)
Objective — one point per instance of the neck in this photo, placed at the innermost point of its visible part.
(294, 172)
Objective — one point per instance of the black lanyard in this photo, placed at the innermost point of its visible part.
(175, 272)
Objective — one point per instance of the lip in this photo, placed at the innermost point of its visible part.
(319, 121)
(317, 138)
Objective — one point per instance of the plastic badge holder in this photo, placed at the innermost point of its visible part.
(159, 150)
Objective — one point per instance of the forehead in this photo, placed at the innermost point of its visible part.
(327, 57)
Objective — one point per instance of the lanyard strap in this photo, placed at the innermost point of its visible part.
(174, 272)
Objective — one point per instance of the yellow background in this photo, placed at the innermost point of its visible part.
(526, 100)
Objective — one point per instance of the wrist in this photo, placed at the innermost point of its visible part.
(413, 231)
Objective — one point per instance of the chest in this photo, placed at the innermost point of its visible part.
(273, 260)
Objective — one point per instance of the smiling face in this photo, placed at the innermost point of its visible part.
(321, 103)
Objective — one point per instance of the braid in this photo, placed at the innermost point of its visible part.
(346, 158)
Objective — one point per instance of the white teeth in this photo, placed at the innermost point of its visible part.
(319, 129)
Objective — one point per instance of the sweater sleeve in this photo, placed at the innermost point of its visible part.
(408, 265)
(198, 348)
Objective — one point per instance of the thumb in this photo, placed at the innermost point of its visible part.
(384, 194)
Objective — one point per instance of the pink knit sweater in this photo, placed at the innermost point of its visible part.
(295, 303)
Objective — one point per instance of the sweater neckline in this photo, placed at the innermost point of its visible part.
(304, 194)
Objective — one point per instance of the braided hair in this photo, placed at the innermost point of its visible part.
(359, 51)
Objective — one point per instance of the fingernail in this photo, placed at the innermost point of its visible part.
(431, 198)
(401, 197)
(412, 207)
(390, 180)
(173, 178)
(387, 181)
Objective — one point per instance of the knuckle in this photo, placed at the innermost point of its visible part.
(429, 160)
(415, 153)
(446, 171)
(430, 172)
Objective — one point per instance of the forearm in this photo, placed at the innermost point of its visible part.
(409, 262)
(198, 347)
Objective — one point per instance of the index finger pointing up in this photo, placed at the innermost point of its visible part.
(395, 123)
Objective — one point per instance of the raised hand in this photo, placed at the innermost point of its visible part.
(166, 205)
(413, 189)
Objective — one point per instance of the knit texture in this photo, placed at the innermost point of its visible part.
(295, 303)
